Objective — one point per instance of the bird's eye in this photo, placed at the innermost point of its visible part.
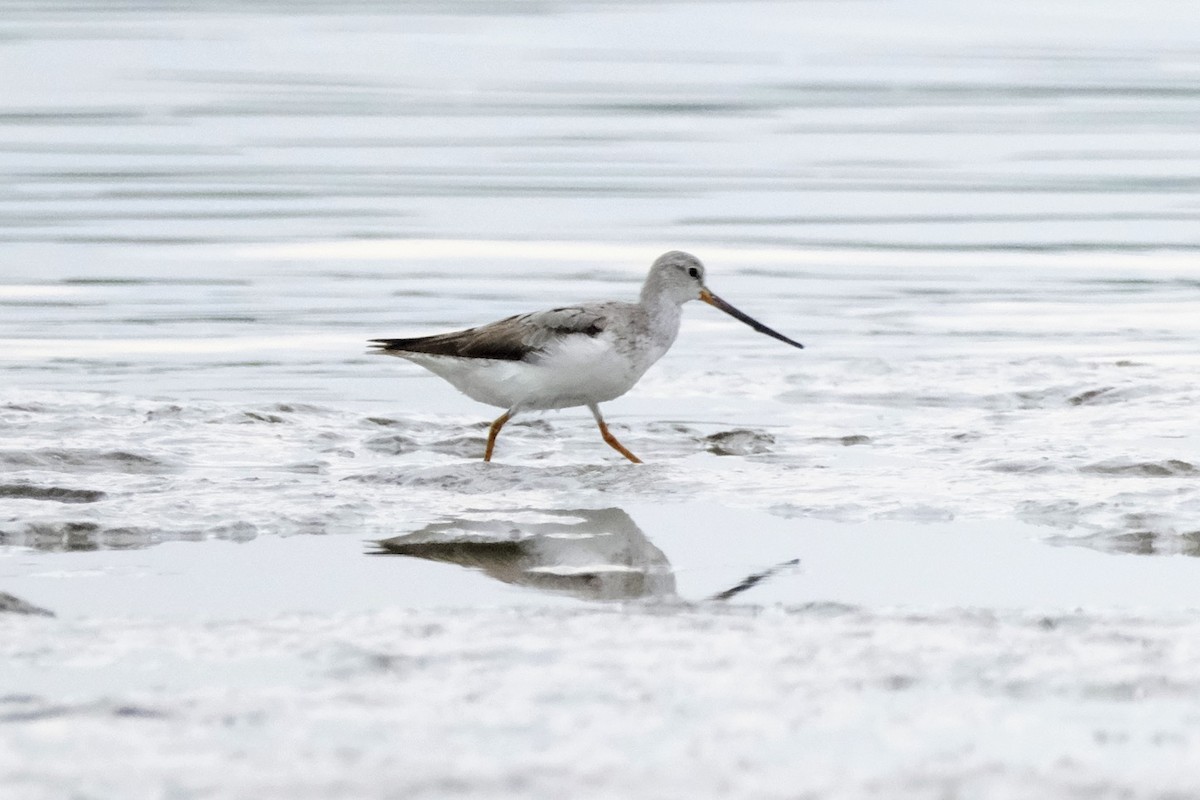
(695, 273)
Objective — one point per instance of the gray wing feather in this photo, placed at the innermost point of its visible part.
(513, 339)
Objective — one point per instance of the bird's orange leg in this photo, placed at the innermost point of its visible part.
(492, 432)
(612, 440)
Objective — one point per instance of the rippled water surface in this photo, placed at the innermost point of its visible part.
(1056, 390)
(982, 222)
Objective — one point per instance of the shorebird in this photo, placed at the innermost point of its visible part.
(580, 355)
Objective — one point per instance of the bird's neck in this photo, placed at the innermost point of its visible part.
(663, 313)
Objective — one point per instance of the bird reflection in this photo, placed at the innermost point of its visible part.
(592, 554)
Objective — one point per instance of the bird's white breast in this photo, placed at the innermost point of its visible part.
(574, 371)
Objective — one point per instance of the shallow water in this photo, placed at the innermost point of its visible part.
(981, 223)
(1057, 394)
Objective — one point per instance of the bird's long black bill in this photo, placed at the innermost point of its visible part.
(717, 302)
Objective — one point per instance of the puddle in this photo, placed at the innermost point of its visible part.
(644, 553)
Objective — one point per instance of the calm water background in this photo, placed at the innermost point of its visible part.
(981, 220)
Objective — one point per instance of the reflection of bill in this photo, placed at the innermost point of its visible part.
(593, 554)
(15, 605)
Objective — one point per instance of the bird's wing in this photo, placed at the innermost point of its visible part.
(513, 339)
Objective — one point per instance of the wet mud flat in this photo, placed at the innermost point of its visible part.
(824, 700)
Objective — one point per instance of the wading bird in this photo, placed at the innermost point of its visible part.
(580, 355)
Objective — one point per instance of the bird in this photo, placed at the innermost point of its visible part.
(580, 355)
